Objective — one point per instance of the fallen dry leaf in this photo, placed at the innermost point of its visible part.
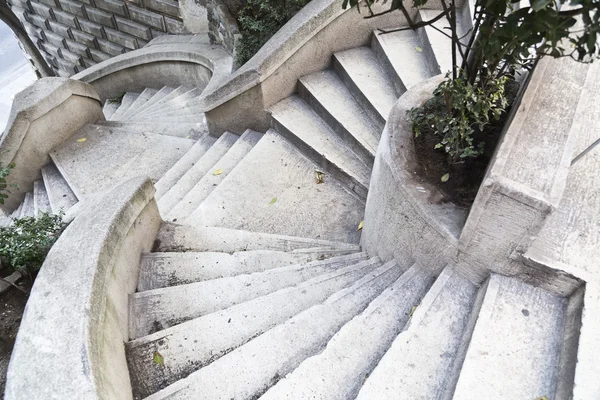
(217, 172)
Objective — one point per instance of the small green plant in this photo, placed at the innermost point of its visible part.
(259, 20)
(457, 112)
(25, 244)
(4, 186)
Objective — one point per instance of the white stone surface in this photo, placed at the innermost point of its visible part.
(40, 199)
(142, 99)
(60, 195)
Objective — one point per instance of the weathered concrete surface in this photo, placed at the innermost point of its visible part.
(43, 116)
(87, 307)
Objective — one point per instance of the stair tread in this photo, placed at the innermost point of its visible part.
(40, 199)
(108, 157)
(28, 206)
(170, 269)
(178, 169)
(190, 130)
(281, 199)
(525, 325)
(158, 96)
(368, 75)
(173, 99)
(194, 174)
(401, 49)
(327, 88)
(159, 103)
(175, 237)
(421, 358)
(158, 309)
(210, 181)
(60, 195)
(109, 108)
(126, 102)
(187, 101)
(142, 99)
(249, 369)
(301, 120)
(355, 350)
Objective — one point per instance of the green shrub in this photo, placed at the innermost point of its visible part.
(459, 110)
(259, 20)
(4, 186)
(25, 244)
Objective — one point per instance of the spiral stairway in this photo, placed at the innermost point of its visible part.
(257, 286)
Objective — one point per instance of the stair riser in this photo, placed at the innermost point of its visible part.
(146, 95)
(169, 103)
(387, 65)
(161, 94)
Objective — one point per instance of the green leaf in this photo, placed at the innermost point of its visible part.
(273, 201)
(360, 226)
(537, 5)
(419, 49)
(217, 172)
(158, 358)
(445, 177)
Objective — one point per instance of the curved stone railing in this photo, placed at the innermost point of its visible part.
(167, 61)
(70, 343)
(44, 115)
(302, 46)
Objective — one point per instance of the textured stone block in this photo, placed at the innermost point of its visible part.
(41, 9)
(84, 38)
(146, 17)
(112, 6)
(77, 48)
(66, 18)
(50, 3)
(59, 29)
(51, 49)
(133, 28)
(36, 20)
(174, 26)
(87, 62)
(55, 39)
(156, 33)
(21, 5)
(142, 43)
(99, 56)
(35, 32)
(67, 66)
(72, 7)
(121, 38)
(70, 56)
(101, 17)
(169, 7)
(110, 48)
(91, 27)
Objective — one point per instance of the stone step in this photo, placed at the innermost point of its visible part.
(182, 165)
(142, 99)
(109, 156)
(109, 108)
(173, 100)
(420, 364)
(281, 196)
(160, 270)
(28, 209)
(301, 125)
(194, 174)
(59, 192)
(17, 213)
(328, 95)
(159, 96)
(519, 332)
(189, 346)
(187, 103)
(40, 199)
(179, 119)
(357, 348)
(175, 237)
(408, 58)
(250, 370)
(366, 78)
(159, 309)
(211, 180)
(126, 102)
(189, 130)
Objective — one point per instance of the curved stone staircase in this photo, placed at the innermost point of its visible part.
(257, 287)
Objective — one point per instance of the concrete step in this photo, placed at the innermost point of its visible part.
(189, 130)
(159, 96)
(59, 192)
(158, 309)
(182, 165)
(281, 196)
(126, 102)
(173, 100)
(142, 99)
(351, 355)
(17, 213)
(196, 343)
(421, 362)
(98, 157)
(250, 370)
(211, 180)
(187, 103)
(328, 95)
(179, 119)
(194, 174)
(28, 209)
(160, 270)
(302, 126)
(174, 237)
(406, 57)
(519, 332)
(366, 78)
(40, 199)
(109, 108)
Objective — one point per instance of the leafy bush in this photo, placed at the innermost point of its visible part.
(259, 20)
(457, 111)
(4, 186)
(25, 244)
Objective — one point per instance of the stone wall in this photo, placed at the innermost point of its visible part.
(76, 34)
(222, 26)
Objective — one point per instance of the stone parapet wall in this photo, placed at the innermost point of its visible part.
(223, 28)
(76, 34)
